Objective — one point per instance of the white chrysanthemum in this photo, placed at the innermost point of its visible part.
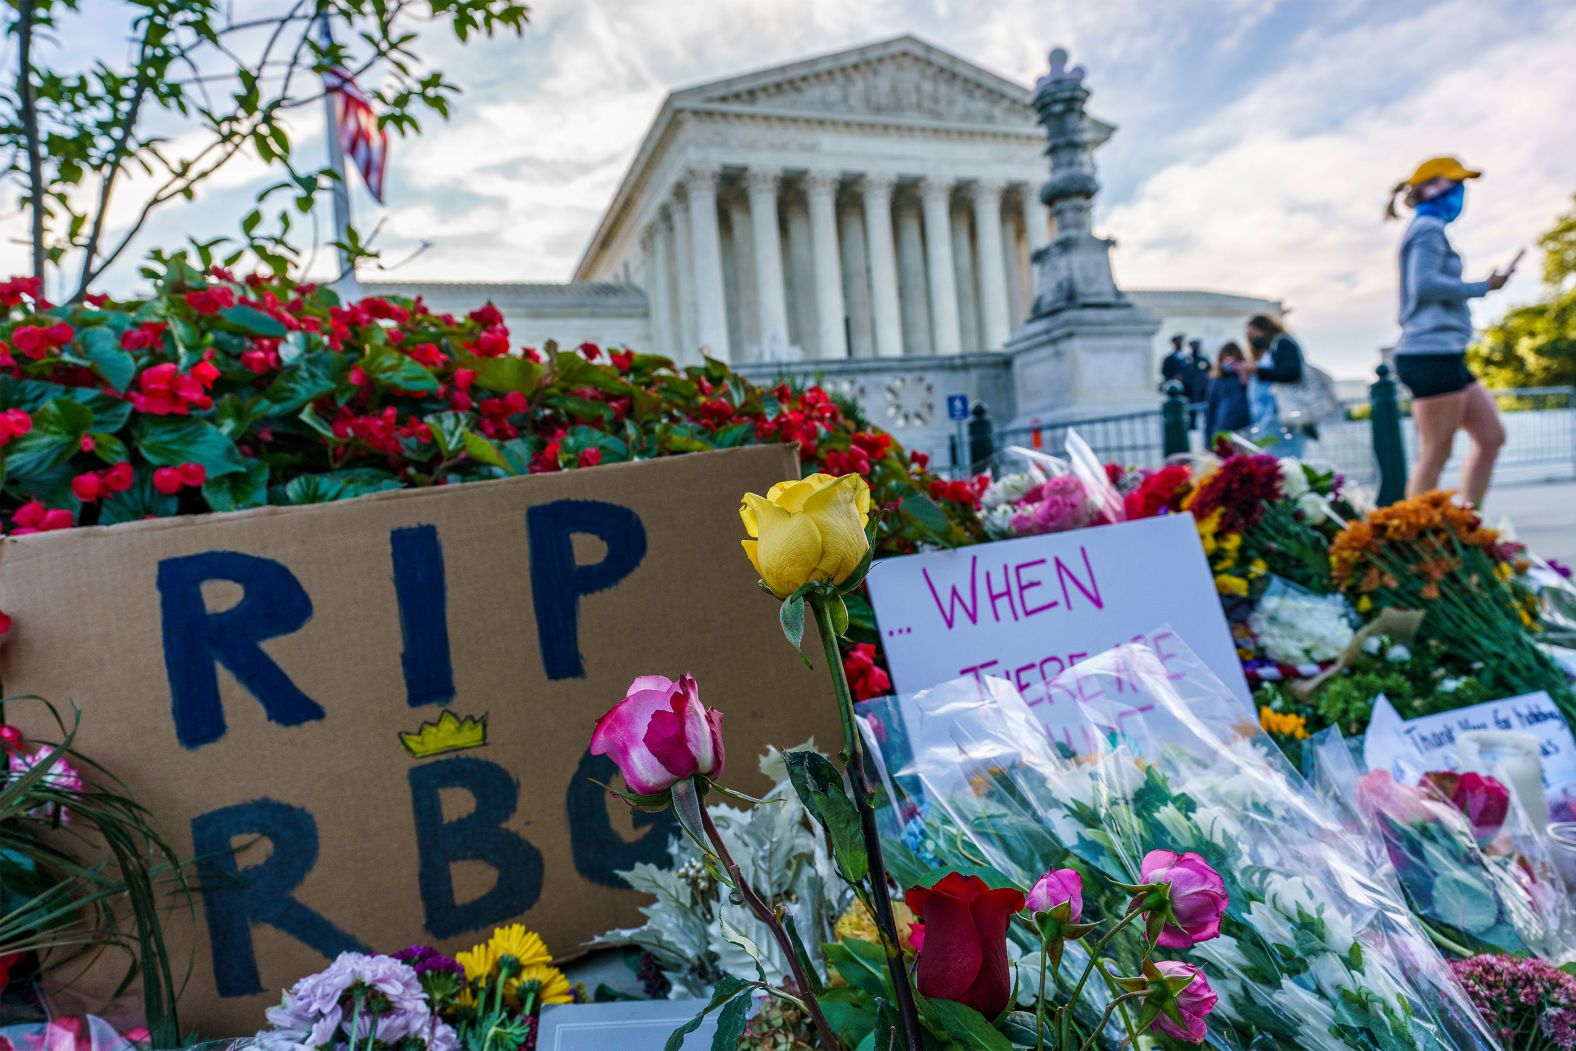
(1299, 628)
(1294, 480)
(1008, 490)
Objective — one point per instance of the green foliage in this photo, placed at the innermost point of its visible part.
(68, 910)
(1535, 345)
(196, 87)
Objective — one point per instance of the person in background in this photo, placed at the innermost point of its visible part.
(1228, 395)
(1277, 358)
(1199, 372)
(1436, 326)
(1174, 365)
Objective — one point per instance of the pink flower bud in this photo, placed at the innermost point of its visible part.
(1196, 893)
(659, 734)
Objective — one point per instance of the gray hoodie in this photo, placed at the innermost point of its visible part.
(1434, 314)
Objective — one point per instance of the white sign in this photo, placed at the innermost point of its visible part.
(1027, 609)
(633, 1025)
(1431, 739)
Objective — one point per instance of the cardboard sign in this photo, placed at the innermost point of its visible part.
(641, 1025)
(1028, 609)
(1431, 739)
(375, 713)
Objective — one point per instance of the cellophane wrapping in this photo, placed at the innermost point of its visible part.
(1132, 751)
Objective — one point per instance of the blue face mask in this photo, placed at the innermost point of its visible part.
(1447, 206)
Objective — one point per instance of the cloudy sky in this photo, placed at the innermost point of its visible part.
(1256, 141)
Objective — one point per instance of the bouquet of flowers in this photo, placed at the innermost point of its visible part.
(1316, 948)
(1033, 493)
(487, 998)
(1433, 554)
(1529, 1005)
(1292, 625)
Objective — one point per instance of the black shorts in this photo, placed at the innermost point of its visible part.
(1430, 375)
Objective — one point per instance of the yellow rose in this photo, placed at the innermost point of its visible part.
(812, 529)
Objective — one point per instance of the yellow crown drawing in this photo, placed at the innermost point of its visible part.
(449, 733)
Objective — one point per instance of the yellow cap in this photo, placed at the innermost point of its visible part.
(1441, 168)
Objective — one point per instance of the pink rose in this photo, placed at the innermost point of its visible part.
(1194, 1002)
(659, 734)
(1380, 793)
(1058, 887)
(1196, 894)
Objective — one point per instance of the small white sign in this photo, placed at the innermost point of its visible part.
(1027, 609)
(1431, 739)
(631, 1025)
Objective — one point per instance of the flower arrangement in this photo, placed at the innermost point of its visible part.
(1294, 626)
(1459, 864)
(488, 997)
(1433, 554)
(1026, 504)
(1529, 1005)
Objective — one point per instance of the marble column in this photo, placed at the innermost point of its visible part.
(711, 311)
(913, 299)
(856, 277)
(1036, 218)
(885, 315)
(659, 295)
(995, 320)
(1016, 266)
(821, 189)
(738, 274)
(965, 283)
(935, 197)
(684, 279)
(770, 294)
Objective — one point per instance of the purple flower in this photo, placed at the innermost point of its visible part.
(424, 959)
(1559, 567)
(377, 996)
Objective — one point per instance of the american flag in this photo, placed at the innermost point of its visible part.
(364, 143)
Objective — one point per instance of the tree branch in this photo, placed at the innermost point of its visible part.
(28, 106)
(117, 157)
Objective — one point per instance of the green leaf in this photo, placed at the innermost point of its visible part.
(254, 322)
(730, 1024)
(236, 492)
(101, 348)
(505, 374)
(801, 954)
(820, 788)
(968, 1026)
(393, 369)
(861, 964)
(482, 450)
(925, 514)
(168, 441)
(308, 379)
(687, 808)
(727, 988)
(791, 616)
(329, 486)
(449, 430)
(56, 436)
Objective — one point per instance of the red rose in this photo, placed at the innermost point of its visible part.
(590, 350)
(193, 474)
(1484, 800)
(865, 677)
(965, 943)
(493, 343)
(590, 457)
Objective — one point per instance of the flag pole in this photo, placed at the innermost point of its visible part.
(344, 272)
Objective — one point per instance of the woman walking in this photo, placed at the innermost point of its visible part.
(1277, 358)
(1436, 326)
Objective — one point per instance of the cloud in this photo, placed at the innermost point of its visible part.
(1270, 198)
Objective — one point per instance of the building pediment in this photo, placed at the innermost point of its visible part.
(908, 81)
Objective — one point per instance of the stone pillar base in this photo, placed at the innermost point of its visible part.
(1083, 361)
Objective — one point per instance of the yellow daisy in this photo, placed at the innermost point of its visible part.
(525, 946)
(552, 986)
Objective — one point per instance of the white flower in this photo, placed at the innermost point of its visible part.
(1450, 684)
(1372, 645)
(1313, 506)
(1331, 974)
(1008, 490)
(1299, 628)
(1294, 480)
(998, 521)
(1398, 654)
(1176, 824)
(1270, 924)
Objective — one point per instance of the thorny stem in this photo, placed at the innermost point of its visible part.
(853, 749)
(767, 915)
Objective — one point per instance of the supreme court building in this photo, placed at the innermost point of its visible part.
(892, 220)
